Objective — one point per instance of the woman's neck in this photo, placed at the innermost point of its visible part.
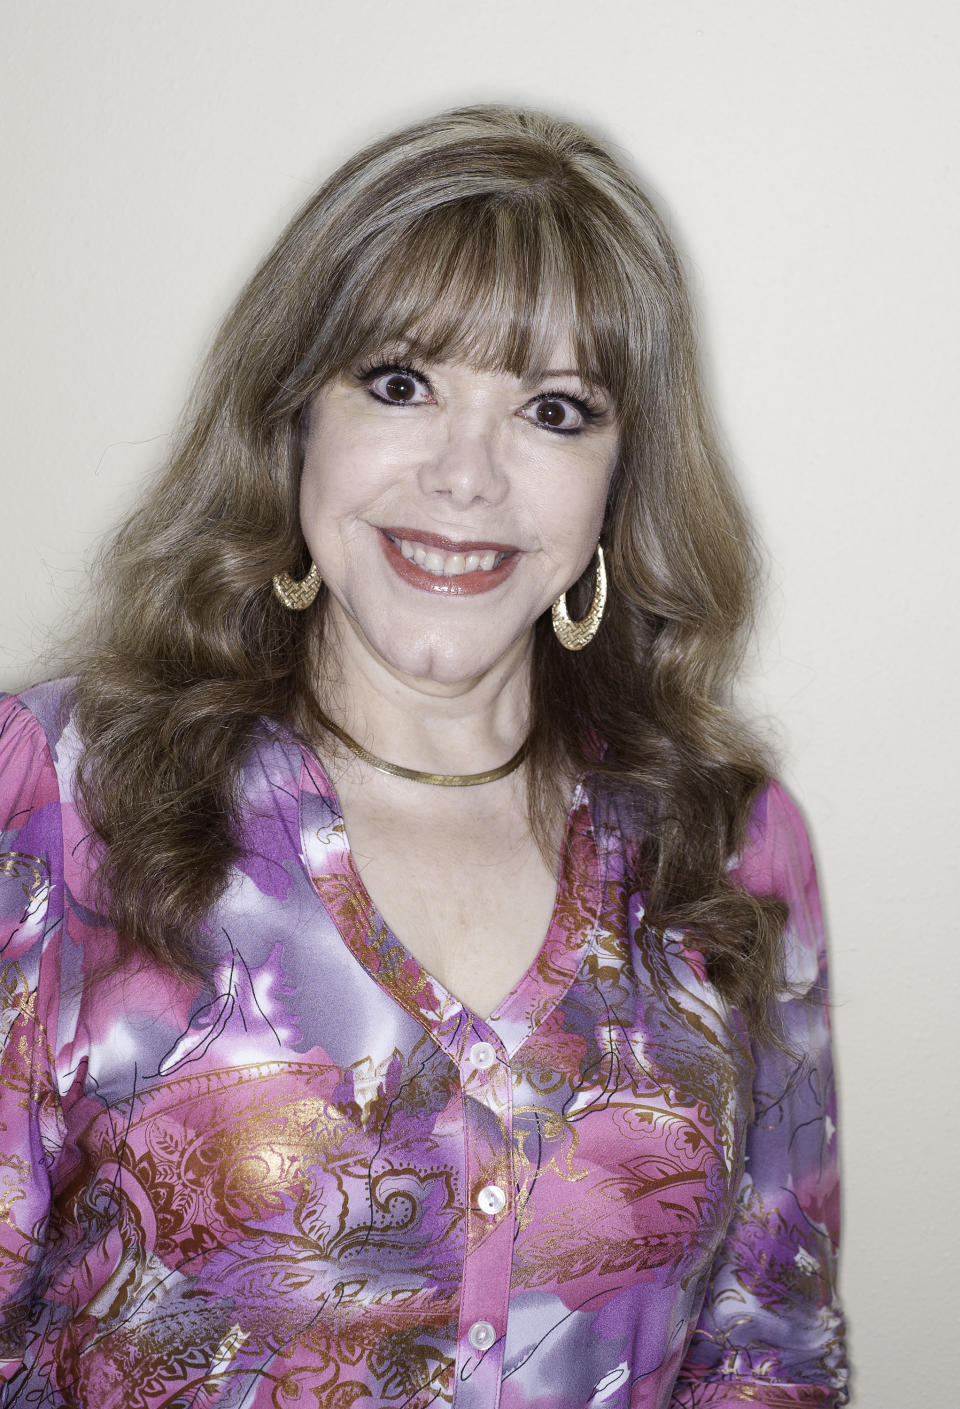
(459, 727)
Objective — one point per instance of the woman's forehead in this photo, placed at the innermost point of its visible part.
(496, 299)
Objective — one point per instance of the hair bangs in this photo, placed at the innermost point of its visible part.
(502, 284)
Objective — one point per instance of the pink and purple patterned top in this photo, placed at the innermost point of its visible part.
(323, 1182)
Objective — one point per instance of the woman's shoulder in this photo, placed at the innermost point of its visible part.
(35, 721)
(39, 749)
(777, 860)
(34, 808)
(777, 849)
(34, 727)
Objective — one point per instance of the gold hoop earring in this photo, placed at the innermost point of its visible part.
(297, 596)
(574, 635)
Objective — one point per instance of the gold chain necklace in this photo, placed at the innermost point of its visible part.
(435, 780)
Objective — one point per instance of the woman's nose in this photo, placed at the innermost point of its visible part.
(466, 467)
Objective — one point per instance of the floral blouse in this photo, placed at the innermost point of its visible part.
(322, 1181)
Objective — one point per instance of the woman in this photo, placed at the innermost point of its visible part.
(522, 1095)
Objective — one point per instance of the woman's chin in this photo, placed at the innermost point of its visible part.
(444, 649)
(443, 665)
(440, 659)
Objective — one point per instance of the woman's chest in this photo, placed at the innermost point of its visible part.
(352, 1169)
(475, 928)
(300, 1099)
(470, 897)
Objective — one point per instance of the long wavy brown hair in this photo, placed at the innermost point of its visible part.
(474, 236)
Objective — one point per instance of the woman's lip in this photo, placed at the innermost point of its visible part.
(448, 545)
(464, 584)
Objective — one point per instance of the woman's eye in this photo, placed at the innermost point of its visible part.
(398, 387)
(556, 413)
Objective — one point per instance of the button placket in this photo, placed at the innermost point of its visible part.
(490, 1225)
(485, 1075)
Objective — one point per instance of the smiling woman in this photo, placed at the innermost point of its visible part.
(413, 981)
(445, 513)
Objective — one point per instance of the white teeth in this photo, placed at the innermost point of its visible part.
(448, 564)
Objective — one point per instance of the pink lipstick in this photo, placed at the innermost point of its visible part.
(445, 567)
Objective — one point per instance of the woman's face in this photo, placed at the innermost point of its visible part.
(446, 507)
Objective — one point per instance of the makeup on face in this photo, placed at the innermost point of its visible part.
(446, 566)
(446, 507)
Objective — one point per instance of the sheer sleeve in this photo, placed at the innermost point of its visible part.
(31, 1121)
(771, 1332)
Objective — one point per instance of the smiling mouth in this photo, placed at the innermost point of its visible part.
(443, 565)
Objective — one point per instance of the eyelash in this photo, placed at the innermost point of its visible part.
(369, 371)
(587, 409)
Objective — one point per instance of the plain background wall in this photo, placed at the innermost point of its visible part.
(806, 152)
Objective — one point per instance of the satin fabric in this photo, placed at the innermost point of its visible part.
(321, 1181)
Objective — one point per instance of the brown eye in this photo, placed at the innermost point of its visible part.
(551, 413)
(400, 387)
(396, 385)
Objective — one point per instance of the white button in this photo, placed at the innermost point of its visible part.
(482, 1055)
(491, 1199)
(481, 1335)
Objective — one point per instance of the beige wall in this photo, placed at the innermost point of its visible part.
(807, 151)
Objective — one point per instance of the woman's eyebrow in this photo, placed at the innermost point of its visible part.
(557, 372)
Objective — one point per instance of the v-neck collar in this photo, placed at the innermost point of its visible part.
(574, 925)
